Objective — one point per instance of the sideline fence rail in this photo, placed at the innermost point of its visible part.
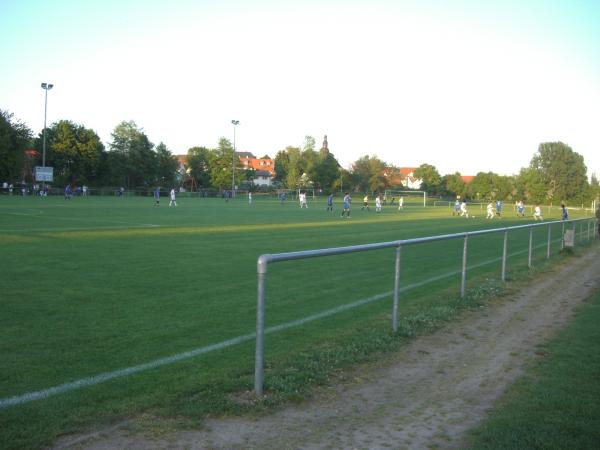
(266, 259)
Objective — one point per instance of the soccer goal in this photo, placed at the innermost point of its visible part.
(310, 192)
(409, 196)
(290, 194)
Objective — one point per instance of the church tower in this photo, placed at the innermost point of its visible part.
(325, 148)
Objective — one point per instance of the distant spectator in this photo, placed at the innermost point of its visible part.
(565, 214)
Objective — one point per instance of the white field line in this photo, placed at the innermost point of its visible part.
(106, 376)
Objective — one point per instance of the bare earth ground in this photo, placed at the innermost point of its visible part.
(425, 396)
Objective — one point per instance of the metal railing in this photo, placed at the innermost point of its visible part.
(266, 259)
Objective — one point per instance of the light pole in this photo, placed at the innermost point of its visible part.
(234, 122)
(46, 87)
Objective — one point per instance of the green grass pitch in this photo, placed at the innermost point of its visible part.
(95, 285)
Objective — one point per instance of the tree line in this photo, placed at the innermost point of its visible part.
(556, 173)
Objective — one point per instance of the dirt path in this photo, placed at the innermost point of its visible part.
(427, 395)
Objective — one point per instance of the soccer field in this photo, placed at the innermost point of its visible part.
(93, 287)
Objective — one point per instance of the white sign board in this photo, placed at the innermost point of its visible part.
(44, 173)
(569, 238)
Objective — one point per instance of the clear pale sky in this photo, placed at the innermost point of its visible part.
(466, 86)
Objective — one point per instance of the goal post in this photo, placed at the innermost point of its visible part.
(389, 193)
(307, 191)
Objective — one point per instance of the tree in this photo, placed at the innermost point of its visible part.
(309, 144)
(326, 171)
(221, 161)
(432, 181)
(282, 162)
(562, 169)
(14, 139)
(198, 161)
(454, 185)
(295, 168)
(166, 165)
(368, 174)
(133, 160)
(74, 151)
(482, 186)
(530, 185)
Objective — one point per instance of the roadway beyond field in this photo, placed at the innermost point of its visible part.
(426, 395)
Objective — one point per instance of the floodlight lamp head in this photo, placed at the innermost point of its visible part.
(44, 85)
(235, 122)
(47, 86)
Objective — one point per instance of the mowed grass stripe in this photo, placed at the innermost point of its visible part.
(101, 378)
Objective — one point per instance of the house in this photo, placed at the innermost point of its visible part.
(408, 179)
(264, 167)
(403, 177)
(467, 178)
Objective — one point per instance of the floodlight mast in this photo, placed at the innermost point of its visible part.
(46, 87)
(234, 123)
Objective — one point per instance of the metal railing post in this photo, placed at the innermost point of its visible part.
(562, 237)
(574, 234)
(463, 284)
(588, 230)
(504, 255)
(396, 290)
(549, 240)
(259, 357)
(530, 246)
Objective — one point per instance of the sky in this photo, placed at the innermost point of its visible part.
(467, 86)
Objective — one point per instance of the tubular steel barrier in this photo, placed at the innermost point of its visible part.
(264, 260)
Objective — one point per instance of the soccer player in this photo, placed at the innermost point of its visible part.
(565, 214)
(302, 198)
(173, 200)
(330, 202)
(400, 203)
(463, 209)
(537, 213)
(347, 204)
(283, 198)
(249, 197)
(157, 196)
(378, 203)
(498, 208)
(365, 203)
(490, 211)
(520, 209)
(456, 210)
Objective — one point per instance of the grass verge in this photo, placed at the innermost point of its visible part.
(556, 404)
